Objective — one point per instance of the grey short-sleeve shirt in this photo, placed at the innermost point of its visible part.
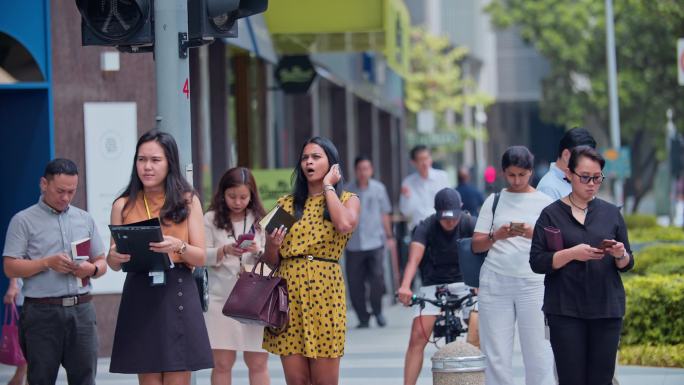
(40, 231)
(370, 232)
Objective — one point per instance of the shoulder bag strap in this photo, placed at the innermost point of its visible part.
(494, 204)
(464, 227)
(430, 240)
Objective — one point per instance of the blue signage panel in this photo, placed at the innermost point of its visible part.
(618, 163)
(28, 22)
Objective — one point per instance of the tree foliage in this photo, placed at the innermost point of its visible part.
(436, 82)
(571, 35)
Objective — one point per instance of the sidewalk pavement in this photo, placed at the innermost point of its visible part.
(376, 356)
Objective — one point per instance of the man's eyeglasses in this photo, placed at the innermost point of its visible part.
(584, 179)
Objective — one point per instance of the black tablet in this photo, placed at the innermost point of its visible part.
(134, 239)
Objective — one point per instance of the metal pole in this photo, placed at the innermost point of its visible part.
(315, 96)
(270, 118)
(172, 69)
(204, 126)
(613, 94)
(350, 115)
(671, 133)
(481, 126)
(375, 141)
(173, 75)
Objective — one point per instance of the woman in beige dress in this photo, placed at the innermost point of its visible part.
(235, 210)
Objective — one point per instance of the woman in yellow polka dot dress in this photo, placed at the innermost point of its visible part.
(309, 252)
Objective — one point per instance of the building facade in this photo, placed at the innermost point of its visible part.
(90, 104)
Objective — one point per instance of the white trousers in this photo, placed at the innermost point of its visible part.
(504, 302)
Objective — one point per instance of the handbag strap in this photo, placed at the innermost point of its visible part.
(15, 313)
(262, 262)
(11, 314)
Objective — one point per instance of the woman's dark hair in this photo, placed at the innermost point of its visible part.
(177, 189)
(587, 152)
(518, 156)
(300, 190)
(234, 177)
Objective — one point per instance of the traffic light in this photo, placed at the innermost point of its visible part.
(126, 24)
(215, 19)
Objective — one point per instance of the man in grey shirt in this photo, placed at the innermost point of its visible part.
(57, 320)
(365, 251)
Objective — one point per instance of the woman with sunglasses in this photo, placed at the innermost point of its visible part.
(584, 300)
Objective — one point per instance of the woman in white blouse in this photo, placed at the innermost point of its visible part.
(511, 294)
(235, 210)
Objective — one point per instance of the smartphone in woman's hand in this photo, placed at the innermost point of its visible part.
(518, 227)
(245, 240)
(607, 244)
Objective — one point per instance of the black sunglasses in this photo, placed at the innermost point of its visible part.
(584, 179)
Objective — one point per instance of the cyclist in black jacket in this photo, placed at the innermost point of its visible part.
(433, 251)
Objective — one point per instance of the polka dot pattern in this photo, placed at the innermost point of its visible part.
(318, 311)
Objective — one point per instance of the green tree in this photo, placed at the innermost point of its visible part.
(436, 81)
(571, 35)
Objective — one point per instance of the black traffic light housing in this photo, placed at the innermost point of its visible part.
(126, 24)
(216, 19)
(129, 24)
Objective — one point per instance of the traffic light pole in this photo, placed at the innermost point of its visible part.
(172, 68)
(173, 75)
(613, 96)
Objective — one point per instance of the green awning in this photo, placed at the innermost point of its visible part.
(307, 26)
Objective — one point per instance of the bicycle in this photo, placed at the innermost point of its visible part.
(447, 324)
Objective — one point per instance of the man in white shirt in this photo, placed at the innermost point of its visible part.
(418, 190)
(553, 183)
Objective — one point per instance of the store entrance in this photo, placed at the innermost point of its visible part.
(25, 131)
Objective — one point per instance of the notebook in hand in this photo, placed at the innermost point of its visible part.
(554, 239)
(134, 239)
(80, 251)
(275, 218)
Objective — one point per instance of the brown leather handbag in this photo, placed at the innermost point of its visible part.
(259, 299)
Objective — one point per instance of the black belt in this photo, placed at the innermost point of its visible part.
(62, 301)
(314, 258)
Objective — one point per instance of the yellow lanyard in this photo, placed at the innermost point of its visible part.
(147, 207)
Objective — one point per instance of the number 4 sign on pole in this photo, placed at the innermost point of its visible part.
(680, 61)
(186, 89)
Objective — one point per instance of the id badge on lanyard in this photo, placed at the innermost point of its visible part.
(157, 277)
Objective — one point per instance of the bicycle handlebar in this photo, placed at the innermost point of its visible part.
(444, 302)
